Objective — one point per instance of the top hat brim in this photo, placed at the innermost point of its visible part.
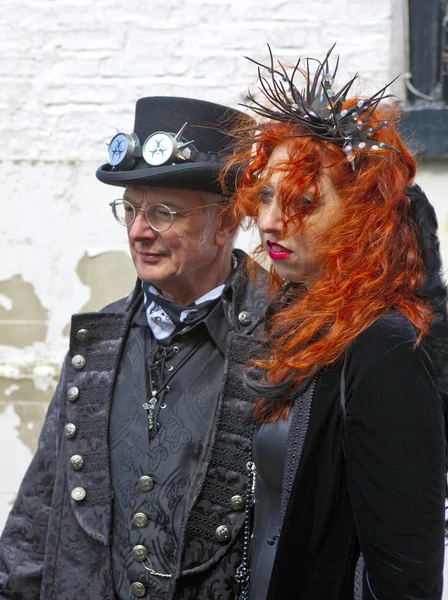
(191, 176)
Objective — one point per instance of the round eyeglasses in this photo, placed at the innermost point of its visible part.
(159, 216)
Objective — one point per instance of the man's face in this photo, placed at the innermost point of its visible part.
(178, 261)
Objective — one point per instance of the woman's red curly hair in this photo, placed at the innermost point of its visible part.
(369, 261)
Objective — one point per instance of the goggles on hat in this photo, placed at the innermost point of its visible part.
(160, 148)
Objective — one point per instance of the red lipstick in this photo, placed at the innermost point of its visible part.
(277, 251)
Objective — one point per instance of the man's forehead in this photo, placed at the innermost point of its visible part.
(165, 195)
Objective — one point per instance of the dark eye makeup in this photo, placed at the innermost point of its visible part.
(305, 203)
(266, 194)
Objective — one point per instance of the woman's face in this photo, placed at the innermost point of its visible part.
(293, 254)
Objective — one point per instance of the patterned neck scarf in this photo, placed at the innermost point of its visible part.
(166, 316)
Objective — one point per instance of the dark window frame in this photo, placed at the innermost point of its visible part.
(425, 111)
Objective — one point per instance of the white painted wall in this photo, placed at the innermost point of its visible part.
(71, 71)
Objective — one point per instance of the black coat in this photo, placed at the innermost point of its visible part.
(371, 479)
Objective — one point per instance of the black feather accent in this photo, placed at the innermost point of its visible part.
(435, 289)
(319, 109)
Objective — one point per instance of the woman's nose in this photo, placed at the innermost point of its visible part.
(270, 217)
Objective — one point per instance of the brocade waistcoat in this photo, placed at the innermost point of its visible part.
(152, 474)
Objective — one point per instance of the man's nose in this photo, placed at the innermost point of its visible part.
(140, 227)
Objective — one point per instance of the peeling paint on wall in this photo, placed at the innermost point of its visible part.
(31, 417)
(29, 404)
(109, 275)
(5, 302)
(23, 320)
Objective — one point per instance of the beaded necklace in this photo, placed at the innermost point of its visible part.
(242, 574)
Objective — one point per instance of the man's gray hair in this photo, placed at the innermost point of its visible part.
(212, 199)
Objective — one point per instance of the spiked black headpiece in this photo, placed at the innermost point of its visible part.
(318, 108)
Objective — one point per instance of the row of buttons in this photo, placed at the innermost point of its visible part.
(78, 494)
(76, 461)
(146, 484)
(79, 361)
(139, 553)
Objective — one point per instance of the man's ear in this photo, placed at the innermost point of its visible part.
(227, 227)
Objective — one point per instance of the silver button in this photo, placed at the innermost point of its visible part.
(146, 483)
(78, 362)
(222, 533)
(170, 368)
(138, 589)
(245, 318)
(139, 552)
(78, 494)
(72, 393)
(237, 502)
(175, 349)
(82, 335)
(70, 430)
(77, 462)
(140, 520)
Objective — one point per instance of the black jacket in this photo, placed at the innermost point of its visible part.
(57, 543)
(371, 479)
(365, 515)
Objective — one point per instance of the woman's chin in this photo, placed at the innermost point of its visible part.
(297, 275)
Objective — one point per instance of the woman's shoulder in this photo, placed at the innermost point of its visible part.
(386, 355)
(385, 333)
(392, 339)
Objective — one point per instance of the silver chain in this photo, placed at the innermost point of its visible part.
(153, 572)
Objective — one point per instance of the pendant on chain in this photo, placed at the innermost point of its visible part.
(150, 407)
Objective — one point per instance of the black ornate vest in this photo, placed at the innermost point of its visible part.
(210, 542)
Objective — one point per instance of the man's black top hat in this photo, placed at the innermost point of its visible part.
(177, 142)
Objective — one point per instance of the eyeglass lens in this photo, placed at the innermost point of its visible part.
(159, 216)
